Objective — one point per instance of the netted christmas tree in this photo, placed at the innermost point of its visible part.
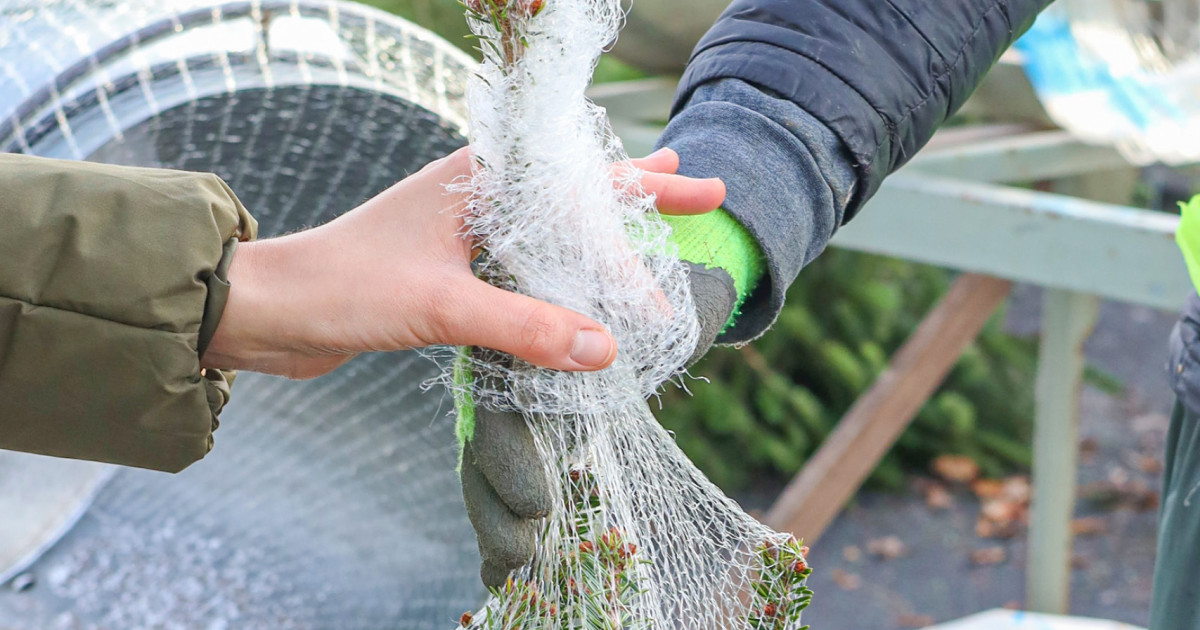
(639, 539)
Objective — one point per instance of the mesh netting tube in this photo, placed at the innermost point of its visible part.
(639, 538)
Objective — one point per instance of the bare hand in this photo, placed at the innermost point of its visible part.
(395, 274)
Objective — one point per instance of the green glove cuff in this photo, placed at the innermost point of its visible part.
(717, 240)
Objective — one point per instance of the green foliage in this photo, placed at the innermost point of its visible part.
(780, 594)
(595, 571)
(769, 405)
(610, 70)
(596, 584)
(446, 18)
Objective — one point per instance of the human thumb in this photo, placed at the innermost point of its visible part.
(538, 332)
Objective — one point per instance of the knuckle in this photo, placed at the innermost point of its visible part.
(441, 311)
(516, 546)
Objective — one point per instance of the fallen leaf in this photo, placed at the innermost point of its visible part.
(851, 553)
(921, 483)
(987, 488)
(1001, 511)
(887, 548)
(1017, 489)
(990, 529)
(1088, 447)
(1104, 493)
(988, 556)
(1150, 465)
(938, 498)
(956, 468)
(910, 620)
(1111, 494)
(1089, 526)
(846, 581)
(1147, 502)
(1140, 496)
(1118, 476)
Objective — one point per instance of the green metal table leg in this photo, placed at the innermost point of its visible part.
(1067, 320)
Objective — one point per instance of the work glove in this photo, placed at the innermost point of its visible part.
(503, 480)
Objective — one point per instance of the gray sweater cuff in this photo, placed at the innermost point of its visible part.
(786, 179)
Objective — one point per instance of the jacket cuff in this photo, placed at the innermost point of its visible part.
(99, 324)
(882, 76)
(812, 88)
(218, 387)
(218, 297)
(774, 188)
(218, 384)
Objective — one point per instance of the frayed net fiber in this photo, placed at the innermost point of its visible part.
(640, 538)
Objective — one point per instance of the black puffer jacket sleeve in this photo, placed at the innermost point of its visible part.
(882, 75)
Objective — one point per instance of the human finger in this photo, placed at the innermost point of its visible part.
(507, 456)
(678, 194)
(675, 194)
(506, 541)
(664, 160)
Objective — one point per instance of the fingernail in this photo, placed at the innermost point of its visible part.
(659, 152)
(592, 348)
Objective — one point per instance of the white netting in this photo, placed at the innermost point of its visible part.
(640, 538)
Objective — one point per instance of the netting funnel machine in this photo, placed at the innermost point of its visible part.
(331, 503)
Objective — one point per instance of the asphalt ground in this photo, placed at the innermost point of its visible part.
(944, 570)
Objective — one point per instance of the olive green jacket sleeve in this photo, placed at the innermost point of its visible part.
(106, 276)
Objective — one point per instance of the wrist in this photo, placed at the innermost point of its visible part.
(228, 344)
(253, 323)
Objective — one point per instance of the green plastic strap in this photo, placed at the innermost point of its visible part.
(218, 297)
(464, 404)
(1187, 235)
(718, 241)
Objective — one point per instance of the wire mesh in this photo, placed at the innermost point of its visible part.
(325, 504)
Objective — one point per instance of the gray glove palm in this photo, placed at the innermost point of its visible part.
(503, 482)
